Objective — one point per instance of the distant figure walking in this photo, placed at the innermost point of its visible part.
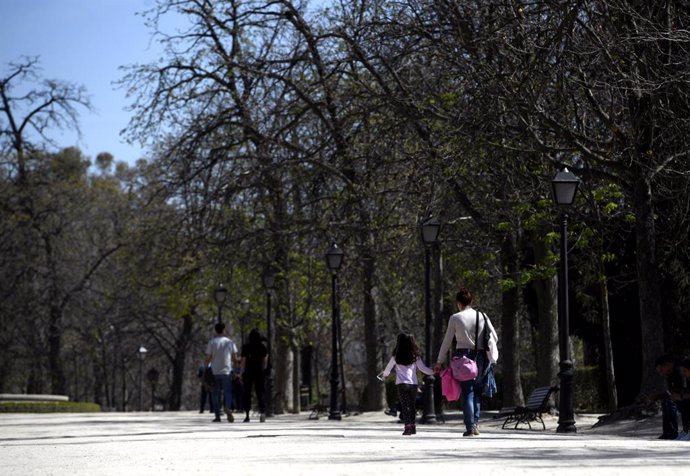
(206, 391)
(406, 361)
(221, 352)
(254, 357)
(469, 327)
(672, 398)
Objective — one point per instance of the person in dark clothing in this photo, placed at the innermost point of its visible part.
(670, 398)
(682, 399)
(205, 391)
(254, 356)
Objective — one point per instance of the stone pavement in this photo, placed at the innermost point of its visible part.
(368, 444)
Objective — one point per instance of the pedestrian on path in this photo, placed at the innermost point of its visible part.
(206, 390)
(406, 360)
(682, 397)
(221, 352)
(667, 367)
(254, 358)
(476, 338)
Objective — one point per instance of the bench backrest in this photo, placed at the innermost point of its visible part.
(538, 398)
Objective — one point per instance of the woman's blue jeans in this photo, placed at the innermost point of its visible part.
(472, 390)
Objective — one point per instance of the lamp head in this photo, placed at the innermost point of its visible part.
(564, 187)
(334, 257)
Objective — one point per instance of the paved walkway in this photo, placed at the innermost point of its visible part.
(368, 444)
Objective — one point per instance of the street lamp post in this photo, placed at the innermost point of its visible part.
(141, 353)
(244, 318)
(334, 258)
(268, 277)
(429, 230)
(564, 186)
(219, 295)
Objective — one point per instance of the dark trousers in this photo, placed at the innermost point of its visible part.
(256, 381)
(407, 394)
(684, 408)
(205, 396)
(669, 414)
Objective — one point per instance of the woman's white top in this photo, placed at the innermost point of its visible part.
(461, 326)
(406, 373)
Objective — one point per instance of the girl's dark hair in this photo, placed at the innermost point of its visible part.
(406, 350)
(464, 296)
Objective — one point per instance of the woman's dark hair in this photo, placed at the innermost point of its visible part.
(464, 296)
(406, 350)
(255, 337)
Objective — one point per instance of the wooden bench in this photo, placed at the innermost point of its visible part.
(537, 403)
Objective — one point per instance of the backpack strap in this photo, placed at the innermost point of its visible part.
(476, 334)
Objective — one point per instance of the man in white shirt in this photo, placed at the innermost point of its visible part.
(221, 353)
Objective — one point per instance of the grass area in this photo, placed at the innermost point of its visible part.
(48, 407)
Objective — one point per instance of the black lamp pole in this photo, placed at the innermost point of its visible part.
(244, 318)
(334, 258)
(268, 278)
(142, 354)
(219, 295)
(429, 231)
(564, 186)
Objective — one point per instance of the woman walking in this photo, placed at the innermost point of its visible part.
(472, 331)
(254, 356)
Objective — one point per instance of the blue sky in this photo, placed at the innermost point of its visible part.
(83, 42)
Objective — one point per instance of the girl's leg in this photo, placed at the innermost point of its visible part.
(407, 394)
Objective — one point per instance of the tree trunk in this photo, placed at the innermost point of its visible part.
(296, 366)
(282, 370)
(547, 326)
(512, 387)
(374, 391)
(178, 364)
(57, 373)
(612, 392)
(648, 282)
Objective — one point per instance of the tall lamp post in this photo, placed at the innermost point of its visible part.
(268, 277)
(334, 258)
(244, 318)
(564, 186)
(141, 353)
(429, 230)
(219, 295)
